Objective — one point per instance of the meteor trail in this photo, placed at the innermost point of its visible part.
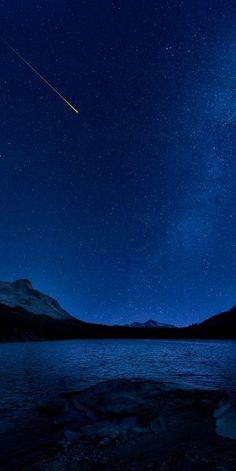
(40, 76)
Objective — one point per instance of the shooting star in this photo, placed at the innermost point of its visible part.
(40, 76)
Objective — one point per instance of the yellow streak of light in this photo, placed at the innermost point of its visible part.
(41, 77)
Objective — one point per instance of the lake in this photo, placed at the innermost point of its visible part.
(36, 371)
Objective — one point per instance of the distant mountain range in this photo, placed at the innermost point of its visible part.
(28, 314)
(151, 324)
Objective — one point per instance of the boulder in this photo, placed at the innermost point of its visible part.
(50, 409)
(225, 415)
(122, 397)
(158, 425)
(109, 428)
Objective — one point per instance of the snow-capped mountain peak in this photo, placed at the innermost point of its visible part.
(151, 323)
(21, 293)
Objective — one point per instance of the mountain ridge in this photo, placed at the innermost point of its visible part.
(21, 293)
(18, 324)
(51, 322)
(151, 323)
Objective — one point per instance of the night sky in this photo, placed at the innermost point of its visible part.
(126, 211)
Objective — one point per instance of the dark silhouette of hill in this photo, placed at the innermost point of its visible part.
(18, 324)
(221, 325)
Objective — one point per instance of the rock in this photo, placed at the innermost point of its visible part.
(115, 407)
(105, 442)
(50, 409)
(144, 418)
(205, 405)
(70, 394)
(75, 418)
(84, 410)
(158, 425)
(121, 397)
(140, 429)
(137, 425)
(58, 425)
(71, 436)
(225, 415)
(109, 428)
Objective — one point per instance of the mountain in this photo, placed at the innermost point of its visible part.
(151, 324)
(17, 323)
(28, 314)
(21, 293)
(221, 325)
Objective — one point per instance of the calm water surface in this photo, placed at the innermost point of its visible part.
(31, 372)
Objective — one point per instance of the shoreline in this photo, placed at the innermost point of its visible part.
(137, 424)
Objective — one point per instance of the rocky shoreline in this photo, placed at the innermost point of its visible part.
(137, 425)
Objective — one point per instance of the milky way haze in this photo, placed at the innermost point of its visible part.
(126, 211)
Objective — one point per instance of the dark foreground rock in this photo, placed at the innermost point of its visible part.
(137, 425)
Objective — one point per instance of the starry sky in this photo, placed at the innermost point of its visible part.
(126, 211)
